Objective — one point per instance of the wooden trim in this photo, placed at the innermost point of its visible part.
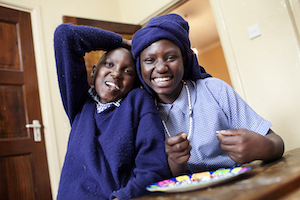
(5, 77)
(120, 28)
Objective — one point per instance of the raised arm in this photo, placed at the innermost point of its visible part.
(71, 42)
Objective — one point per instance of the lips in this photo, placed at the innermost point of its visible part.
(162, 79)
(162, 82)
(112, 85)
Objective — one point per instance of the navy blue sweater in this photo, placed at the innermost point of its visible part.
(118, 152)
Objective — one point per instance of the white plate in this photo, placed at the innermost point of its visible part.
(196, 181)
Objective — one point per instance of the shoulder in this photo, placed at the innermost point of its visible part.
(211, 82)
(212, 87)
(138, 94)
(140, 99)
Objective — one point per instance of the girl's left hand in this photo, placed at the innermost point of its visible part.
(244, 146)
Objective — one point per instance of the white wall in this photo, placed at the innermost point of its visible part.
(139, 12)
(264, 70)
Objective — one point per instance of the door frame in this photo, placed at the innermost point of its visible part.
(43, 85)
(227, 48)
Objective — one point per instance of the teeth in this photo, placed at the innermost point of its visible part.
(113, 85)
(162, 79)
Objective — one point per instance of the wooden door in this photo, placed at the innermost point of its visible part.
(23, 163)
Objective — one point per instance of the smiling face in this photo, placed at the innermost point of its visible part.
(162, 69)
(115, 76)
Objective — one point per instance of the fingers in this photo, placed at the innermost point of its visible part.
(230, 132)
(183, 135)
(242, 145)
(177, 144)
(232, 141)
(178, 148)
(231, 136)
(180, 157)
(126, 44)
(180, 137)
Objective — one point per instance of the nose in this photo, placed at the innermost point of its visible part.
(161, 66)
(116, 73)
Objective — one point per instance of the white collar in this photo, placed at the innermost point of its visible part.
(102, 106)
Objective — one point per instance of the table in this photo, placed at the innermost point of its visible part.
(279, 179)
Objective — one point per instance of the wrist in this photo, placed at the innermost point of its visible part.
(176, 169)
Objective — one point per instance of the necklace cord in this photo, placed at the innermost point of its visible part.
(190, 113)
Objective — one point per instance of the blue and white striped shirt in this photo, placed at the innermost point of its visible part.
(216, 106)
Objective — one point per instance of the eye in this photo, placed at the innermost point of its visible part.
(129, 71)
(148, 60)
(171, 57)
(108, 64)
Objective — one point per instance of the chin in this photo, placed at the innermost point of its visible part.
(162, 91)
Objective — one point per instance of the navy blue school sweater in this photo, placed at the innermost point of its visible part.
(115, 153)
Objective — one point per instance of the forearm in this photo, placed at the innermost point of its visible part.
(274, 147)
(83, 39)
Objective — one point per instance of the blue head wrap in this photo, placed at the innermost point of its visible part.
(172, 27)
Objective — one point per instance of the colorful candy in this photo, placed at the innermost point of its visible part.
(166, 183)
(197, 179)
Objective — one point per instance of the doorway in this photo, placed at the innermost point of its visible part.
(204, 37)
(23, 161)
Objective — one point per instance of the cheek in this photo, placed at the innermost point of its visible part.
(129, 83)
(98, 86)
(100, 74)
(181, 70)
(99, 80)
(145, 73)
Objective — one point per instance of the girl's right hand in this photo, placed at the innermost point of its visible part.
(178, 150)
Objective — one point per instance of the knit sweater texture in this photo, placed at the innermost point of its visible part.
(115, 153)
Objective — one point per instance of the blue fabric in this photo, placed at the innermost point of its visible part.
(216, 106)
(172, 27)
(115, 153)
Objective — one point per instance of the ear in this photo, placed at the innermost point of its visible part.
(93, 71)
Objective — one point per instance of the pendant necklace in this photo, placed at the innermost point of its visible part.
(191, 113)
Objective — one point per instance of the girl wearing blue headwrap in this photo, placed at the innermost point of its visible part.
(195, 106)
